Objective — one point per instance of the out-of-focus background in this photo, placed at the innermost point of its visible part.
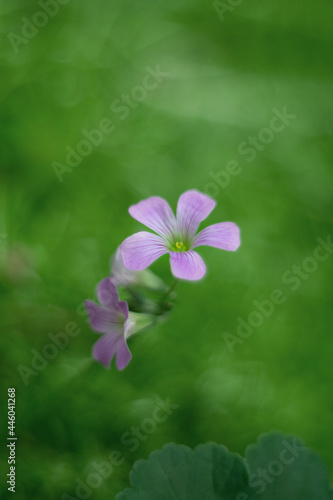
(232, 100)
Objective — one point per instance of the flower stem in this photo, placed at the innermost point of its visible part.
(167, 293)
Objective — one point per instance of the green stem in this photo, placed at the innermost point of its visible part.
(134, 295)
(171, 289)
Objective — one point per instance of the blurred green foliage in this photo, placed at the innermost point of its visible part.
(225, 78)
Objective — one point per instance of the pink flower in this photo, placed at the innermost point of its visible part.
(112, 319)
(124, 277)
(177, 236)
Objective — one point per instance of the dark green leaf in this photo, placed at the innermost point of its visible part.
(176, 472)
(282, 468)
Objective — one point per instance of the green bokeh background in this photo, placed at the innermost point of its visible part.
(225, 76)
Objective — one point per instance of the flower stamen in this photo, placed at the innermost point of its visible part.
(179, 246)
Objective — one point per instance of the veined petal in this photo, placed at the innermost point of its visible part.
(107, 293)
(106, 347)
(104, 320)
(121, 275)
(187, 265)
(155, 213)
(224, 235)
(193, 207)
(142, 249)
(123, 306)
(123, 356)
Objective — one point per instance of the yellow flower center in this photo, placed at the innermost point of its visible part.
(179, 246)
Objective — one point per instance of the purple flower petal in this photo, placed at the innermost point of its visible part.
(156, 214)
(142, 249)
(107, 294)
(224, 235)
(123, 356)
(105, 348)
(121, 275)
(187, 265)
(193, 207)
(123, 306)
(104, 320)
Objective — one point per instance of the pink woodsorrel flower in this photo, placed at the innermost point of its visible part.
(177, 236)
(124, 277)
(112, 319)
